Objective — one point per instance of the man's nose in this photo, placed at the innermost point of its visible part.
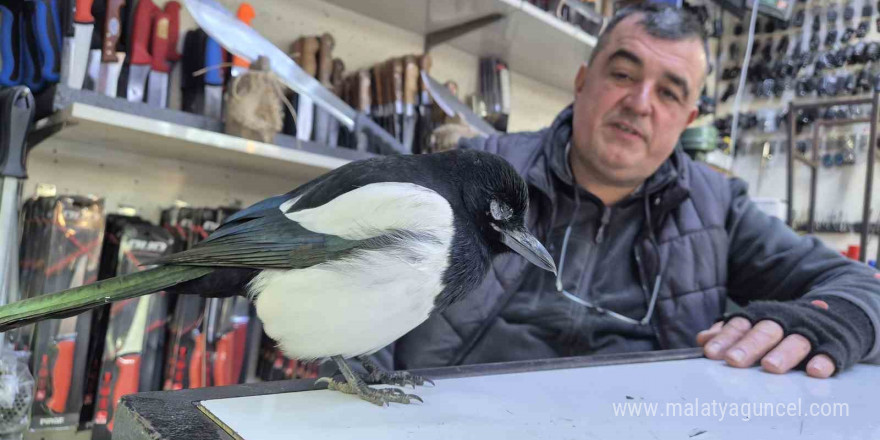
(638, 100)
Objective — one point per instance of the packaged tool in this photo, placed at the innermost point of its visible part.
(60, 250)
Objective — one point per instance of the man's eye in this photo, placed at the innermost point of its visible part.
(669, 94)
(619, 75)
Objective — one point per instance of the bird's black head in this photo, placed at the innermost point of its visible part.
(496, 199)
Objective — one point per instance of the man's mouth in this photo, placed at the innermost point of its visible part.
(627, 129)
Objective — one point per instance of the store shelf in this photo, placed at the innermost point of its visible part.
(532, 41)
(92, 119)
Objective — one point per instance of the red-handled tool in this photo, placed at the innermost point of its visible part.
(128, 357)
(197, 362)
(139, 54)
(157, 94)
(246, 14)
(65, 348)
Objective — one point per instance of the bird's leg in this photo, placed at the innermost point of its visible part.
(355, 385)
(377, 375)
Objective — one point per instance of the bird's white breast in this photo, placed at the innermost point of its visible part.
(367, 300)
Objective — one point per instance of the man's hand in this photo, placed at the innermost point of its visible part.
(741, 345)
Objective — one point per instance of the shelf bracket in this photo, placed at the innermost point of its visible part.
(443, 35)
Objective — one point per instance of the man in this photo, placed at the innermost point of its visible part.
(649, 244)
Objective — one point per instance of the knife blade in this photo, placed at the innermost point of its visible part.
(139, 52)
(157, 89)
(65, 346)
(93, 63)
(213, 79)
(410, 89)
(83, 26)
(111, 58)
(325, 67)
(338, 82)
(246, 15)
(128, 357)
(305, 107)
(244, 41)
(453, 107)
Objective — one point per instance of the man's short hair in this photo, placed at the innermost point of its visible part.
(659, 20)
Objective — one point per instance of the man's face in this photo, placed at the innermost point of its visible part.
(632, 103)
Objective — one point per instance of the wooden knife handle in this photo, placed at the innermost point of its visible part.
(325, 59)
(378, 86)
(296, 51)
(112, 30)
(363, 90)
(310, 55)
(410, 80)
(397, 80)
(336, 77)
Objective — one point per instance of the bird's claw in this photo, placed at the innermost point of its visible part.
(377, 396)
(399, 378)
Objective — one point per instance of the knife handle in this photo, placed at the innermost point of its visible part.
(238, 353)
(42, 379)
(196, 361)
(83, 12)
(363, 90)
(159, 44)
(172, 11)
(325, 59)
(213, 60)
(128, 377)
(47, 32)
(223, 359)
(62, 373)
(397, 82)
(8, 63)
(140, 34)
(112, 30)
(310, 48)
(410, 80)
(245, 14)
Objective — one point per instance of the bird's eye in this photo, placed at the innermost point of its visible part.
(499, 210)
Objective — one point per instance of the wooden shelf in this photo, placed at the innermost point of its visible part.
(93, 119)
(533, 42)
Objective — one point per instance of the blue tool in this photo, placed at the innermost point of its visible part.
(9, 75)
(47, 27)
(213, 79)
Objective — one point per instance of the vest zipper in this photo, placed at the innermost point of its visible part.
(606, 217)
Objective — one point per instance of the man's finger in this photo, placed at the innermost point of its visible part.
(820, 366)
(730, 333)
(705, 335)
(758, 341)
(790, 352)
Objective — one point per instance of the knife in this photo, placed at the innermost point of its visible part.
(139, 52)
(93, 64)
(425, 122)
(453, 107)
(65, 346)
(397, 84)
(128, 357)
(78, 49)
(10, 47)
(378, 96)
(157, 89)
(111, 58)
(363, 91)
(338, 82)
(172, 12)
(47, 30)
(410, 89)
(213, 79)
(305, 107)
(325, 67)
(244, 41)
(246, 14)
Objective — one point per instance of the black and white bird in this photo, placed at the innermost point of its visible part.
(347, 263)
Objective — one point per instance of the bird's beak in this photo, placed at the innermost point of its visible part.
(525, 244)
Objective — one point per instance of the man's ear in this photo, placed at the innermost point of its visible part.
(581, 79)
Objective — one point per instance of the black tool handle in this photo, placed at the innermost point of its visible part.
(378, 139)
(16, 115)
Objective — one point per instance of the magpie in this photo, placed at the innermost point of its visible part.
(347, 263)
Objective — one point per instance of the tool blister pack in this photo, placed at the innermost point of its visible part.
(61, 245)
(132, 353)
(207, 337)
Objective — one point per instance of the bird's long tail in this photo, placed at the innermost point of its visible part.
(74, 301)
